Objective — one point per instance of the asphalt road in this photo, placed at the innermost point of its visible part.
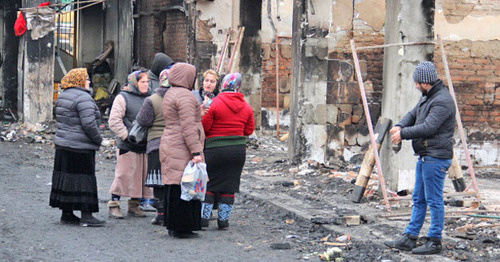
(30, 229)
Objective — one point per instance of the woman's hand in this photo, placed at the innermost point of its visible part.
(203, 110)
(197, 159)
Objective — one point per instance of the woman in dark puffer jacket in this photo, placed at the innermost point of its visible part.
(74, 184)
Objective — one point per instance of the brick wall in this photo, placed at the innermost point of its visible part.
(147, 34)
(175, 36)
(269, 74)
(475, 72)
(476, 82)
(160, 30)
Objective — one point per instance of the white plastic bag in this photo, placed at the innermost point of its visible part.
(194, 182)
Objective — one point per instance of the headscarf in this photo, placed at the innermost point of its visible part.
(164, 78)
(75, 78)
(231, 82)
(133, 83)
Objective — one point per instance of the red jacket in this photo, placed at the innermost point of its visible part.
(229, 115)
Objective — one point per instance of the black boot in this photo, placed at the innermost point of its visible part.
(431, 246)
(158, 220)
(406, 242)
(90, 221)
(68, 217)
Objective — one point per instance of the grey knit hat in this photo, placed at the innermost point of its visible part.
(425, 72)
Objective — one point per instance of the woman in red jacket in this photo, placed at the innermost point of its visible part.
(227, 123)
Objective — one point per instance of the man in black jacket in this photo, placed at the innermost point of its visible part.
(430, 126)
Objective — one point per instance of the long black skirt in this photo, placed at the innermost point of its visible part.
(154, 169)
(224, 166)
(74, 185)
(181, 215)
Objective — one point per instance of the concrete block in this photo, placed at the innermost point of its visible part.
(285, 83)
(286, 51)
(310, 47)
(345, 115)
(320, 114)
(335, 145)
(363, 137)
(340, 70)
(343, 93)
(351, 134)
(357, 113)
(363, 65)
(315, 139)
(352, 220)
(315, 92)
(332, 112)
(315, 69)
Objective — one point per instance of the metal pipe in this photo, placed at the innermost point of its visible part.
(394, 44)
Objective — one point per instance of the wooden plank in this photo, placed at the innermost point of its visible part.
(467, 193)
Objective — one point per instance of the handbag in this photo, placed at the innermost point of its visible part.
(194, 182)
(138, 134)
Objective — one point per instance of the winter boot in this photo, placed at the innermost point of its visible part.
(146, 205)
(406, 242)
(226, 202)
(133, 208)
(68, 217)
(431, 246)
(159, 220)
(114, 209)
(206, 209)
(90, 221)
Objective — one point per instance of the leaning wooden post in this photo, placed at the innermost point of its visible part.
(369, 123)
(459, 119)
(381, 128)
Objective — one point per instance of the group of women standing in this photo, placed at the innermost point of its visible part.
(210, 124)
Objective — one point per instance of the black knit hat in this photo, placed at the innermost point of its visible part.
(425, 73)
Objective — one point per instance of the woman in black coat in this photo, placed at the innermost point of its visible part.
(74, 184)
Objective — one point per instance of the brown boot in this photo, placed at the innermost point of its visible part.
(114, 209)
(133, 208)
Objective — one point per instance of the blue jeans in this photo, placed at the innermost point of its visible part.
(429, 183)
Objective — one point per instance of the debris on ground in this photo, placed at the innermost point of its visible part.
(325, 192)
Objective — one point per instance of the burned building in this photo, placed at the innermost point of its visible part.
(298, 67)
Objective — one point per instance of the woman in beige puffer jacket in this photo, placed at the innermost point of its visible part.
(182, 140)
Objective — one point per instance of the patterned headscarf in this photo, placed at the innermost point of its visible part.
(133, 79)
(231, 82)
(75, 78)
(164, 78)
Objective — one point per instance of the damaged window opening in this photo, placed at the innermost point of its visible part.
(65, 33)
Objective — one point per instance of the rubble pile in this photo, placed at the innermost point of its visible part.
(268, 170)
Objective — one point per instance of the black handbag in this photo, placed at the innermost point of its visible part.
(138, 134)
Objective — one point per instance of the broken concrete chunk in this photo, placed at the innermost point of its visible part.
(352, 220)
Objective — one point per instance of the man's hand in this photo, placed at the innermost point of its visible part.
(197, 159)
(395, 129)
(396, 134)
